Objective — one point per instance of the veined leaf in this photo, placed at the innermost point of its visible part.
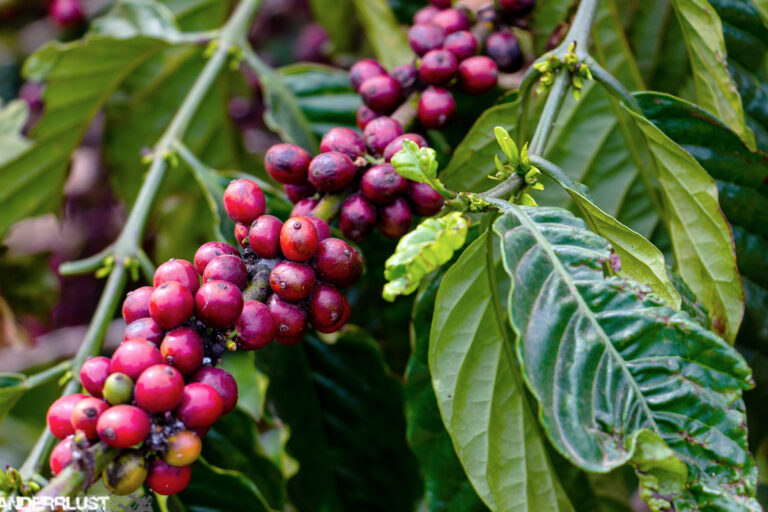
(12, 388)
(700, 235)
(13, 116)
(481, 393)
(762, 7)
(383, 31)
(673, 406)
(213, 489)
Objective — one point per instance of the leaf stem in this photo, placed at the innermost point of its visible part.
(612, 85)
(549, 114)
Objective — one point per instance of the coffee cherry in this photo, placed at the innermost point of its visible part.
(363, 70)
(424, 200)
(304, 207)
(59, 416)
(298, 192)
(85, 415)
(425, 15)
(93, 374)
(381, 93)
(463, 44)
(395, 220)
(61, 456)
(180, 271)
(365, 116)
(210, 250)
(241, 234)
(436, 107)
(292, 281)
(328, 309)
(126, 473)
(136, 304)
(337, 262)
(171, 304)
(406, 74)
(504, 48)
(159, 389)
(287, 163)
(201, 405)
(264, 236)
(380, 132)
(452, 20)
(438, 66)
(167, 480)
(118, 389)
(183, 448)
(291, 319)
(322, 227)
(357, 218)
(66, 13)
(425, 38)
(222, 381)
(123, 426)
(517, 8)
(133, 357)
(331, 172)
(478, 75)
(298, 239)
(255, 327)
(244, 201)
(145, 328)
(381, 184)
(218, 304)
(441, 4)
(182, 348)
(227, 268)
(342, 140)
(397, 144)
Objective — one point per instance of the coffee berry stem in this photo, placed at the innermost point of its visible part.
(75, 478)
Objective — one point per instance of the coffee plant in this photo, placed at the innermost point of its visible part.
(445, 255)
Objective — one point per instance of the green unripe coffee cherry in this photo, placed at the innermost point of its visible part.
(118, 389)
(126, 473)
(183, 448)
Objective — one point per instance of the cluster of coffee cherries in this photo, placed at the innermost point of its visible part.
(161, 390)
(447, 42)
(377, 196)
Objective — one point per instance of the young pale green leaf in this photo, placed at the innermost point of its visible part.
(619, 376)
(481, 393)
(507, 145)
(421, 251)
(13, 116)
(383, 31)
(414, 163)
(700, 235)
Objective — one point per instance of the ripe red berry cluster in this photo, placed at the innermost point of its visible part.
(446, 42)
(378, 196)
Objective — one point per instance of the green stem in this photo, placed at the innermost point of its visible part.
(508, 187)
(612, 85)
(550, 113)
(329, 206)
(581, 26)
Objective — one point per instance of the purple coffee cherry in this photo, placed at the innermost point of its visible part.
(452, 20)
(363, 70)
(438, 66)
(365, 116)
(381, 184)
(517, 8)
(287, 163)
(425, 38)
(424, 200)
(395, 220)
(343, 140)
(436, 107)
(406, 74)
(462, 44)
(227, 268)
(504, 48)
(304, 207)
(425, 15)
(291, 319)
(357, 218)
(478, 74)
(381, 93)
(264, 236)
(296, 193)
(218, 304)
(292, 281)
(381, 132)
(332, 171)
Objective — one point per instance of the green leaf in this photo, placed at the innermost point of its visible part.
(480, 391)
(215, 489)
(415, 163)
(333, 15)
(133, 18)
(12, 388)
(762, 7)
(383, 31)
(251, 383)
(715, 89)
(674, 388)
(700, 235)
(13, 117)
(421, 251)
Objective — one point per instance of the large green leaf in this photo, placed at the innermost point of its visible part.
(700, 235)
(383, 31)
(481, 393)
(616, 372)
(546, 17)
(214, 489)
(333, 15)
(13, 116)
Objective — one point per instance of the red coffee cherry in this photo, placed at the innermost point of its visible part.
(381, 93)
(85, 415)
(406, 74)
(424, 200)
(287, 163)
(93, 374)
(123, 426)
(167, 480)
(380, 132)
(322, 227)
(59, 416)
(478, 75)
(61, 456)
(291, 319)
(328, 309)
(133, 357)
(331, 172)
(183, 448)
(180, 271)
(452, 20)
(244, 201)
(337, 262)
(241, 234)
(182, 348)
(397, 144)
(463, 44)
(145, 328)
(298, 239)
(222, 381)
(504, 48)
(365, 116)
(363, 70)
(436, 107)
(357, 218)
(264, 236)
(395, 220)
(201, 405)
(304, 207)
(438, 66)
(425, 15)
(66, 13)
(136, 304)
(343, 140)
(292, 281)
(218, 304)
(255, 327)
(381, 184)
(159, 389)
(296, 193)
(210, 250)
(171, 304)
(229, 268)
(425, 38)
